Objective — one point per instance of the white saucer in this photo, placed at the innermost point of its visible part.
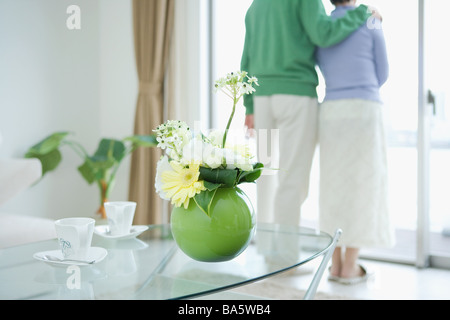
(103, 231)
(95, 253)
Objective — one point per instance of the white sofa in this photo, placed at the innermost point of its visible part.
(16, 175)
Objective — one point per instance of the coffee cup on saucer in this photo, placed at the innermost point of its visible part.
(75, 236)
(120, 216)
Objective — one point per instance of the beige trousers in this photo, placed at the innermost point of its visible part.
(286, 127)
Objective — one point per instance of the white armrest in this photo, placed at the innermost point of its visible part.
(16, 175)
(16, 229)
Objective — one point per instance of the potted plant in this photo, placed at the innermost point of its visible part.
(100, 167)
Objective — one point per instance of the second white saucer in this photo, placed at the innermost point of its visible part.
(103, 231)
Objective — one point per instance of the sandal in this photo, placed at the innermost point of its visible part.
(331, 277)
(349, 281)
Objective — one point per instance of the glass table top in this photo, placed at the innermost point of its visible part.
(152, 267)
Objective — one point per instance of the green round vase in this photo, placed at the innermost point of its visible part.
(219, 237)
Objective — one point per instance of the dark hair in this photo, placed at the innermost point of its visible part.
(339, 1)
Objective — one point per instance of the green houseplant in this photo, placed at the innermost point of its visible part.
(100, 167)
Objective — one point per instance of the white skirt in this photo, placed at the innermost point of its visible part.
(353, 173)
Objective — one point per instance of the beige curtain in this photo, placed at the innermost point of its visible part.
(153, 21)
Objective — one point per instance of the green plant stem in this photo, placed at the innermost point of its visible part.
(77, 148)
(127, 152)
(235, 101)
(104, 190)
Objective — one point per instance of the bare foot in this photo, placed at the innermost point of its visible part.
(335, 271)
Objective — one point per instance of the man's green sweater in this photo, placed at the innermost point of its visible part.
(280, 41)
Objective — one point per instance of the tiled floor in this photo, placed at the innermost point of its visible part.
(390, 281)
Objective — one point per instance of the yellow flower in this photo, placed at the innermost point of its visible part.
(181, 183)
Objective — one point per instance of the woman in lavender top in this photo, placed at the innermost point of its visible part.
(353, 165)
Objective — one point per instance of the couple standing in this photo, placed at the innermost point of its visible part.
(284, 41)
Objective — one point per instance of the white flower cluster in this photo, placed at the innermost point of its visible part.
(236, 84)
(173, 135)
(185, 148)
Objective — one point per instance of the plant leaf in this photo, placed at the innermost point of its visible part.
(101, 162)
(47, 145)
(87, 172)
(110, 148)
(47, 151)
(211, 186)
(49, 161)
(225, 177)
(204, 200)
(143, 140)
(251, 176)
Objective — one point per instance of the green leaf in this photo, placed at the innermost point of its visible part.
(143, 140)
(87, 172)
(251, 176)
(110, 148)
(225, 177)
(211, 186)
(49, 161)
(47, 145)
(47, 151)
(96, 167)
(204, 200)
(101, 162)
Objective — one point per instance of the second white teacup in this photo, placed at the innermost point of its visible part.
(120, 216)
(75, 236)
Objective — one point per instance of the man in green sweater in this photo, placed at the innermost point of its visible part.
(280, 41)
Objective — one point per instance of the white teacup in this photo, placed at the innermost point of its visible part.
(120, 216)
(75, 236)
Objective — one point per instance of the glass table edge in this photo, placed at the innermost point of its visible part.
(265, 227)
(249, 281)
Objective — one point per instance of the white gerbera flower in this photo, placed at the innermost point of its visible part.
(163, 165)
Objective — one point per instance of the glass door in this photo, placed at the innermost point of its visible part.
(418, 120)
(437, 90)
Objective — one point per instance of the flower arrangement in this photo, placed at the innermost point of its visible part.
(196, 165)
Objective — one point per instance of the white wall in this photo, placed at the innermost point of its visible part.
(53, 78)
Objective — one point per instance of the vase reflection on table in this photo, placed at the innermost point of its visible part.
(212, 219)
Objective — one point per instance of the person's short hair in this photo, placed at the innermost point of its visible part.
(339, 1)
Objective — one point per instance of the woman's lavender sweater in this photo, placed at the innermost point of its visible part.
(358, 66)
